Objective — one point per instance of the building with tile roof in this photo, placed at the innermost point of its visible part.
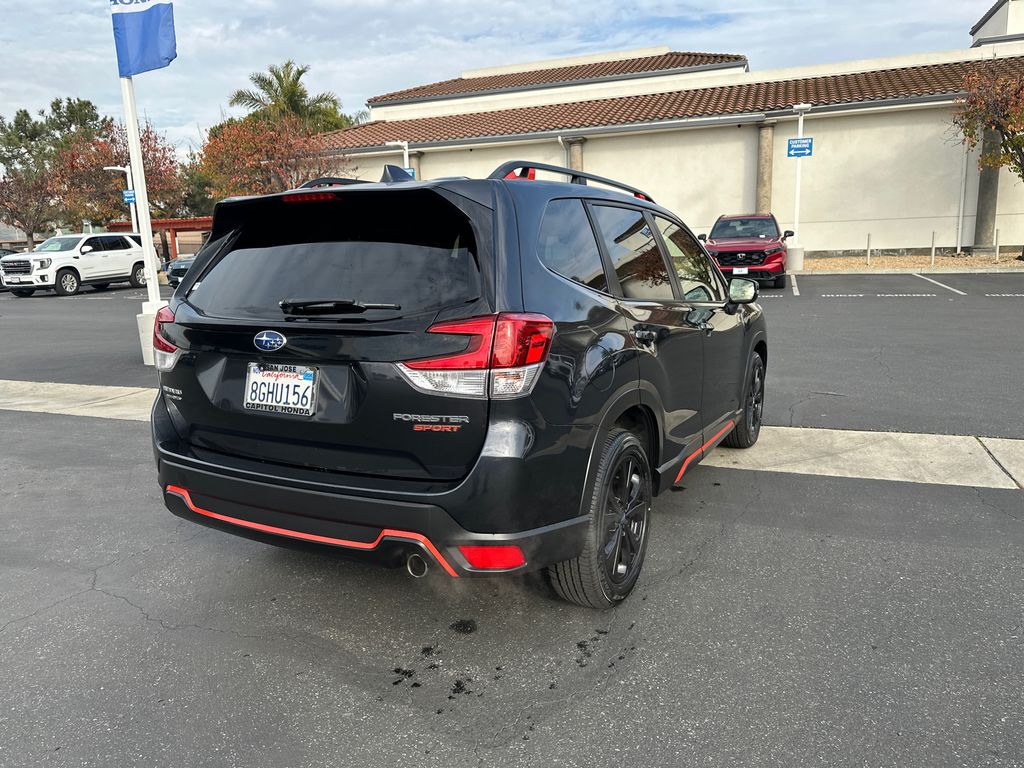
(707, 136)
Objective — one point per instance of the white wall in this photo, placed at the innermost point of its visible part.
(1010, 213)
(894, 173)
(998, 24)
(697, 174)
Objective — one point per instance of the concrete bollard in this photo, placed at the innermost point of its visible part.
(869, 249)
(795, 259)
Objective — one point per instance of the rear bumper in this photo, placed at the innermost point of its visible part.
(272, 509)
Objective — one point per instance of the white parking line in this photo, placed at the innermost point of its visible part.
(793, 285)
(905, 457)
(1005, 295)
(941, 285)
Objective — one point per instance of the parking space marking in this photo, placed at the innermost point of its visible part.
(905, 457)
(941, 285)
(1005, 295)
(129, 403)
(914, 458)
(906, 295)
(793, 285)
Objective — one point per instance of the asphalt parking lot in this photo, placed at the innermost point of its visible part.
(783, 617)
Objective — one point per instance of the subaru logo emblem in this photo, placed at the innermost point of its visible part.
(269, 341)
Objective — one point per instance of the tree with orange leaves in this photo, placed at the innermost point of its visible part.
(991, 114)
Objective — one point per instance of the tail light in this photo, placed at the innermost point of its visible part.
(489, 557)
(165, 354)
(503, 358)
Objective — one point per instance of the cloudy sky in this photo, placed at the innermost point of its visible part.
(361, 48)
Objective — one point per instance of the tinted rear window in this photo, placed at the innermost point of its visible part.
(413, 249)
(567, 245)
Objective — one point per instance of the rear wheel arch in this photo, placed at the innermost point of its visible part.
(761, 347)
(640, 420)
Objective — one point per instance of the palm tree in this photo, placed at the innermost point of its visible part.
(279, 92)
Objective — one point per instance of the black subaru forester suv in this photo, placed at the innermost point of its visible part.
(481, 376)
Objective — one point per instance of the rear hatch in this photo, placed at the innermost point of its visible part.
(317, 386)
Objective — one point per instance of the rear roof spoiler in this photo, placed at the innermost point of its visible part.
(575, 177)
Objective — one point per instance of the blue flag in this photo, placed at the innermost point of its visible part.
(143, 35)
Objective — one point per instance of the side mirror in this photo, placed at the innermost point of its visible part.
(788, 233)
(742, 291)
(85, 249)
(702, 238)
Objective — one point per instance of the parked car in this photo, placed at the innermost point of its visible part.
(67, 262)
(177, 269)
(751, 246)
(5, 252)
(482, 376)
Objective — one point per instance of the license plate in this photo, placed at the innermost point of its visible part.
(12, 279)
(740, 270)
(280, 389)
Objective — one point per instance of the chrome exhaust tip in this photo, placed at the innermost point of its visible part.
(416, 566)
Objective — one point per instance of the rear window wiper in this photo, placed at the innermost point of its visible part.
(329, 306)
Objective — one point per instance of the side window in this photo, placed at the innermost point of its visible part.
(634, 253)
(96, 243)
(567, 245)
(114, 243)
(695, 273)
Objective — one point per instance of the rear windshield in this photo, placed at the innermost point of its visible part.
(412, 249)
(759, 227)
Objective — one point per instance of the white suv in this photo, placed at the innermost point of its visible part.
(67, 262)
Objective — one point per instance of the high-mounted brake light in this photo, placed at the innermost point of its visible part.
(309, 197)
(489, 557)
(505, 351)
(165, 354)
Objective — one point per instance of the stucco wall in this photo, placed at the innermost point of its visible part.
(895, 174)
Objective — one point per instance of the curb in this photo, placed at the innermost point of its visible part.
(927, 271)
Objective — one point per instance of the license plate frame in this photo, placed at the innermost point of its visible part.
(271, 388)
(741, 270)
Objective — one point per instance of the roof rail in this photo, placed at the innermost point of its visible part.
(575, 177)
(329, 181)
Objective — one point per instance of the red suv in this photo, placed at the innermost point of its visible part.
(750, 246)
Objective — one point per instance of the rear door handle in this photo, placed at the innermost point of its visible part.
(706, 327)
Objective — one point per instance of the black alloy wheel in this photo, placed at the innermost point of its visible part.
(627, 505)
(749, 427)
(607, 570)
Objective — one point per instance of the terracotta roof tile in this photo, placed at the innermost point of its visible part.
(602, 69)
(860, 87)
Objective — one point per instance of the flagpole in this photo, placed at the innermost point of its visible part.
(150, 307)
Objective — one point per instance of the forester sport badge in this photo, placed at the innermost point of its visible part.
(269, 341)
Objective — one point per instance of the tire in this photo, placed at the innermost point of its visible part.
(67, 283)
(22, 293)
(137, 279)
(779, 282)
(608, 568)
(748, 428)
(100, 286)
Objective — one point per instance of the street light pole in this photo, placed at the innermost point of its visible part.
(127, 171)
(801, 110)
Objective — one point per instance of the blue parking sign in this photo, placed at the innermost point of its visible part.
(800, 148)
(128, 195)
